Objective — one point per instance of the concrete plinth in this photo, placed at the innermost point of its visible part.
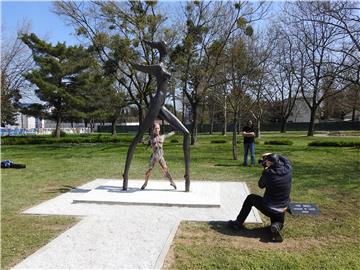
(159, 193)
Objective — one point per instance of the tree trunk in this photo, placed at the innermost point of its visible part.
(194, 107)
(211, 127)
(234, 138)
(283, 125)
(140, 114)
(183, 108)
(57, 130)
(312, 122)
(113, 127)
(353, 115)
(174, 102)
(201, 124)
(225, 120)
(92, 125)
(239, 123)
(258, 128)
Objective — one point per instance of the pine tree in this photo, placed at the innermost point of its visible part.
(58, 77)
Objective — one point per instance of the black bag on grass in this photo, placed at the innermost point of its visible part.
(9, 164)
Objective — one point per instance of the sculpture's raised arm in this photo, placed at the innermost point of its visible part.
(149, 69)
(160, 46)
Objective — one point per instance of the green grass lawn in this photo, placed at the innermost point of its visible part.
(327, 176)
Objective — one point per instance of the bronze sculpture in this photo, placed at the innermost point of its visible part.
(157, 109)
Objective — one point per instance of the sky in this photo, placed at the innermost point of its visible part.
(44, 23)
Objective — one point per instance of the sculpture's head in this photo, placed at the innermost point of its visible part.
(160, 46)
(156, 129)
(164, 43)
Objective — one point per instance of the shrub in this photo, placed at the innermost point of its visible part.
(241, 141)
(62, 133)
(279, 142)
(83, 138)
(335, 143)
(218, 141)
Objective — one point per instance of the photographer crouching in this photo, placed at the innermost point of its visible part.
(276, 179)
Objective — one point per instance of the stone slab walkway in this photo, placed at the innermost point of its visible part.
(116, 236)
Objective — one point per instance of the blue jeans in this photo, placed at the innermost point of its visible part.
(247, 147)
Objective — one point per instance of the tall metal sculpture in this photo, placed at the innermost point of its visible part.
(157, 109)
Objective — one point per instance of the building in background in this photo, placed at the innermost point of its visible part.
(301, 112)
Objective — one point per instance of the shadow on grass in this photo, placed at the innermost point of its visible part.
(227, 165)
(262, 233)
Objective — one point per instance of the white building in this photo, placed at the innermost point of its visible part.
(348, 116)
(28, 122)
(301, 112)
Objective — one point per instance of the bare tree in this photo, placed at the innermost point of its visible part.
(323, 63)
(16, 60)
(351, 101)
(209, 26)
(282, 71)
(262, 49)
(117, 31)
(242, 69)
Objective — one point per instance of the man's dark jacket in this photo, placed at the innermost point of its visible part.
(277, 183)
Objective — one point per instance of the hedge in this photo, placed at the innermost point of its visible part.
(218, 141)
(335, 143)
(22, 140)
(279, 142)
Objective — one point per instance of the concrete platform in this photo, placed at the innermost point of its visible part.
(158, 193)
(117, 236)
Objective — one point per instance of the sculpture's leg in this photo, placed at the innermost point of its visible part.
(145, 125)
(186, 148)
(152, 163)
(166, 172)
(129, 156)
(177, 125)
(147, 175)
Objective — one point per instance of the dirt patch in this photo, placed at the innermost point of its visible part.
(218, 234)
(170, 259)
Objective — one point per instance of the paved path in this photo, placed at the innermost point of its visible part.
(123, 236)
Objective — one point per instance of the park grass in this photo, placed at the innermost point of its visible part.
(327, 176)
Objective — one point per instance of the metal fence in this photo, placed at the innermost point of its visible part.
(205, 128)
(40, 131)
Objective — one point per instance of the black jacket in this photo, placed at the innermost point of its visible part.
(277, 183)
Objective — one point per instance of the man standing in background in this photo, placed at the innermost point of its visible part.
(249, 143)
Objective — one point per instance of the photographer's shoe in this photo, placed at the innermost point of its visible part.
(235, 225)
(275, 229)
